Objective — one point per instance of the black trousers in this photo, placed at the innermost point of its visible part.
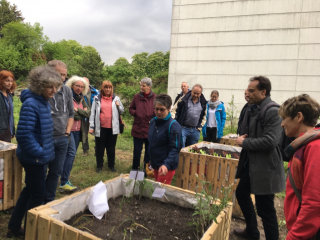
(137, 149)
(211, 135)
(265, 209)
(106, 141)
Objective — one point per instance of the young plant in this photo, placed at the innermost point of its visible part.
(144, 187)
(232, 115)
(203, 152)
(228, 155)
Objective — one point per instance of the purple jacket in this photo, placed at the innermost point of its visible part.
(141, 109)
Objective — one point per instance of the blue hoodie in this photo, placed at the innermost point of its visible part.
(35, 130)
(221, 117)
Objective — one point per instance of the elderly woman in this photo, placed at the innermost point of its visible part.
(35, 142)
(79, 88)
(105, 124)
(216, 119)
(302, 202)
(7, 86)
(141, 108)
(164, 140)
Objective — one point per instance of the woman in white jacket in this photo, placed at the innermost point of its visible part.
(105, 124)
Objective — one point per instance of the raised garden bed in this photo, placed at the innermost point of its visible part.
(218, 170)
(47, 222)
(229, 139)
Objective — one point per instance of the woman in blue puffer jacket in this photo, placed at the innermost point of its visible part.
(212, 131)
(35, 142)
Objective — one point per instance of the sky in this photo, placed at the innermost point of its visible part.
(116, 28)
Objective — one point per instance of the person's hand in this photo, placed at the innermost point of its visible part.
(241, 139)
(75, 109)
(85, 108)
(117, 103)
(163, 170)
(198, 129)
(91, 131)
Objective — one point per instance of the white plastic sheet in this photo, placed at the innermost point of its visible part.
(97, 201)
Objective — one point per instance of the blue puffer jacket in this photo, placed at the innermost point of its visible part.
(164, 142)
(35, 130)
(220, 118)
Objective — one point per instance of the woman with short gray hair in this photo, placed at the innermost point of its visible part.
(165, 140)
(141, 108)
(35, 142)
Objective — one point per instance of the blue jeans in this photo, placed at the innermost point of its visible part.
(56, 167)
(189, 136)
(31, 196)
(71, 154)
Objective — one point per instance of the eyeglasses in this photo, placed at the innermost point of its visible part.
(160, 109)
(78, 86)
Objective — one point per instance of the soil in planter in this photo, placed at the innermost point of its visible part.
(163, 221)
(219, 152)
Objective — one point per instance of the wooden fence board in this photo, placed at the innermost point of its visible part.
(17, 178)
(56, 230)
(194, 158)
(70, 233)
(186, 169)
(179, 170)
(43, 227)
(7, 180)
(31, 230)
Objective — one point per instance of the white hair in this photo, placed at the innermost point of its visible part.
(75, 79)
(147, 81)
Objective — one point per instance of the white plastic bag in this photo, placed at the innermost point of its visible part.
(97, 201)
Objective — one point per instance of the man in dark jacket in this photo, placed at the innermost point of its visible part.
(260, 168)
(191, 115)
(184, 90)
(244, 118)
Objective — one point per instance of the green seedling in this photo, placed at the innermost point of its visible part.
(228, 155)
(203, 152)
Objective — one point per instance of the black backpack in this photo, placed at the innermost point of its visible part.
(284, 141)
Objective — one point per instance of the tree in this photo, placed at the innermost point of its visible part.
(139, 65)
(9, 13)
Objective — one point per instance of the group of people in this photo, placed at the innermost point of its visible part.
(58, 113)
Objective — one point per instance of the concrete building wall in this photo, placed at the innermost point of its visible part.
(222, 43)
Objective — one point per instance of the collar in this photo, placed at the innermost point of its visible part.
(165, 119)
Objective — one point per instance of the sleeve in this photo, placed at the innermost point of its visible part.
(92, 115)
(84, 113)
(270, 136)
(70, 103)
(204, 119)
(29, 116)
(174, 109)
(132, 108)
(174, 146)
(308, 220)
(223, 119)
(178, 110)
(120, 107)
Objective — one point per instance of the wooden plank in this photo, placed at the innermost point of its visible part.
(87, 236)
(17, 178)
(70, 233)
(43, 227)
(186, 168)
(31, 229)
(7, 180)
(202, 167)
(211, 171)
(192, 178)
(180, 169)
(56, 230)
(1, 204)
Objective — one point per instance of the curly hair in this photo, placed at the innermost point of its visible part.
(72, 81)
(303, 103)
(43, 77)
(4, 75)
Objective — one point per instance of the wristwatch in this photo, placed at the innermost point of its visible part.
(67, 134)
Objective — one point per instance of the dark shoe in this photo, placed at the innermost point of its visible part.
(98, 170)
(243, 234)
(112, 170)
(17, 233)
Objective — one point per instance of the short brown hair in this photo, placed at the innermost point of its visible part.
(106, 84)
(303, 103)
(4, 75)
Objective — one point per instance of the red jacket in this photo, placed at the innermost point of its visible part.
(141, 109)
(305, 168)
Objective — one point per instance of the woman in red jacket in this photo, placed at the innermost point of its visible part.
(141, 108)
(302, 202)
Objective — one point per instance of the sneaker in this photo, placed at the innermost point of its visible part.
(11, 233)
(67, 188)
(98, 170)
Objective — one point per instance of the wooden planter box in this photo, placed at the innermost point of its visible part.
(229, 141)
(10, 176)
(46, 221)
(216, 169)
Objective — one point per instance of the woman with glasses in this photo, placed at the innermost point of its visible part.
(7, 86)
(212, 131)
(164, 140)
(141, 108)
(105, 124)
(79, 87)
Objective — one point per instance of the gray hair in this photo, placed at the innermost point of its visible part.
(55, 63)
(147, 81)
(163, 99)
(199, 86)
(43, 77)
(72, 81)
(214, 92)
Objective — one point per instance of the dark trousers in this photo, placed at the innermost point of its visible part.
(32, 195)
(211, 135)
(137, 149)
(106, 141)
(265, 209)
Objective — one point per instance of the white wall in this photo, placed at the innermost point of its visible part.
(222, 43)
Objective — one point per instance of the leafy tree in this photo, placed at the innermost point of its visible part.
(120, 72)
(9, 13)
(139, 65)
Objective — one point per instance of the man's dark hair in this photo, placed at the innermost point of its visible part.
(264, 84)
(164, 100)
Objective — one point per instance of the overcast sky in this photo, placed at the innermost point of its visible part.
(116, 28)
